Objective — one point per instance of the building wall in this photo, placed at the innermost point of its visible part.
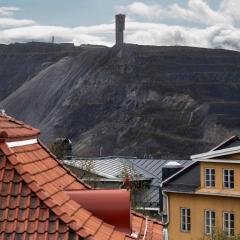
(198, 204)
(235, 156)
(219, 176)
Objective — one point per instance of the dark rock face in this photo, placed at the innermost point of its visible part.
(165, 102)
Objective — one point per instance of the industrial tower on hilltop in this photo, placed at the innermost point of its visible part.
(120, 27)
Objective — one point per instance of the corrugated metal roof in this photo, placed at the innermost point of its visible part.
(111, 167)
(153, 167)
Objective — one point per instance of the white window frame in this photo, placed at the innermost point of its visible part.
(212, 221)
(228, 182)
(187, 219)
(212, 182)
(229, 230)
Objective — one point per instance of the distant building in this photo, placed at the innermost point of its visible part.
(205, 196)
(120, 27)
(145, 175)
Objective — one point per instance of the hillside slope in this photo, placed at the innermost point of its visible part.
(167, 102)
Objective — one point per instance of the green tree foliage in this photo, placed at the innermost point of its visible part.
(57, 149)
(221, 235)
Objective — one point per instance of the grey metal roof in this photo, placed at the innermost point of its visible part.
(111, 167)
(154, 166)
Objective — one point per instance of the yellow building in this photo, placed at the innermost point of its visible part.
(205, 196)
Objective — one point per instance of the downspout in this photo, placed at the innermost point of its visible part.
(166, 212)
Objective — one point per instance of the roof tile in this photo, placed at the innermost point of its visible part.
(33, 201)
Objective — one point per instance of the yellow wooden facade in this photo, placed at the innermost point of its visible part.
(216, 199)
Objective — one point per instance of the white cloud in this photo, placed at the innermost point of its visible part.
(7, 11)
(142, 9)
(219, 32)
(217, 36)
(197, 11)
(78, 35)
(7, 21)
(231, 8)
(12, 22)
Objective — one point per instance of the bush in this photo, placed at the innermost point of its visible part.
(221, 235)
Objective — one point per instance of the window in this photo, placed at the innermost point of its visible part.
(228, 223)
(185, 220)
(209, 177)
(210, 218)
(228, 178)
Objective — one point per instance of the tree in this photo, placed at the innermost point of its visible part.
(138, 188)
(57, 149)
(221, 235)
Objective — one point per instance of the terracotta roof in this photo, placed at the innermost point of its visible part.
(11, 129)
(33, 201)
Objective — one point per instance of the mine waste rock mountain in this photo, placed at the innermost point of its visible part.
(145, 101)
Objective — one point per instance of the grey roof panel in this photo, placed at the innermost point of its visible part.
(111, 167)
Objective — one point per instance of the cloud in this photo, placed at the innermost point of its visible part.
(219, 32)
(217, 36)
(231, 8)
(148, 33)
(7, 11)
(197, 11)
(7, 21)
(141, 9)
(79, 35)
(11, 22)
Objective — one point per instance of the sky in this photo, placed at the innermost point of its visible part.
(200, 23)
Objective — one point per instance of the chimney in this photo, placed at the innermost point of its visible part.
(120, 27)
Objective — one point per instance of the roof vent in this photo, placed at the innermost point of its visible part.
(172, 164)
(2, 112)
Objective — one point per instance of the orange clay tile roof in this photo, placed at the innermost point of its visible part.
(11, 129)
(33, 201)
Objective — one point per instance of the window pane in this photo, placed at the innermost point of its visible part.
(209, 221)
(228, 223)
(209, 177)
(185, 219)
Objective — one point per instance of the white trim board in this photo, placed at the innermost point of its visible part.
(21, 143)
(216, 153)
(217, 160)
